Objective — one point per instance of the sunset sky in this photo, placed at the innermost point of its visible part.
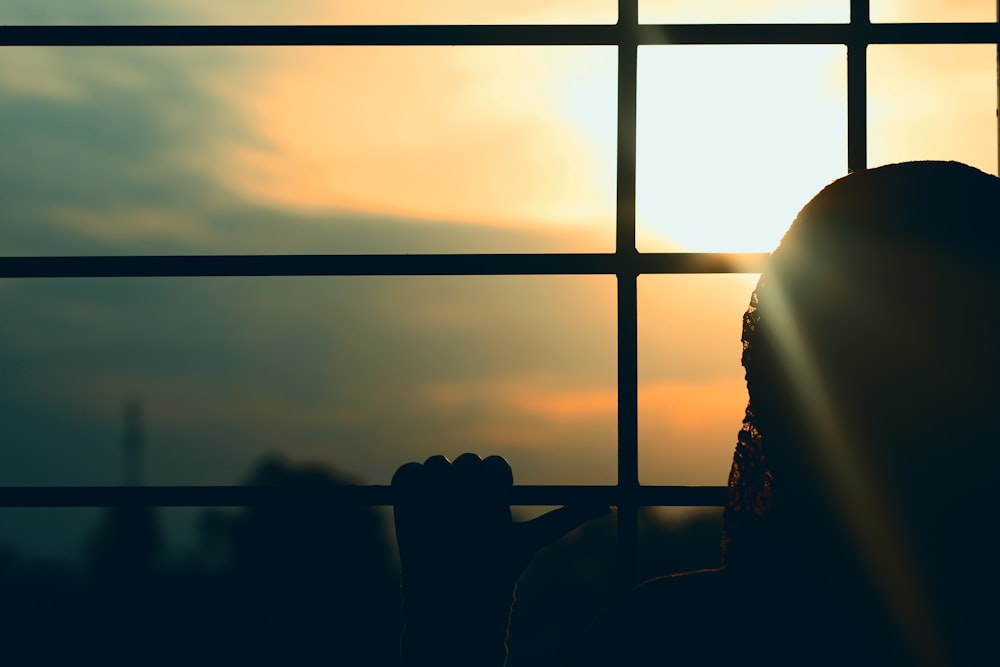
(415, 149)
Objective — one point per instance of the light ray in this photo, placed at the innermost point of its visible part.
(859, 504)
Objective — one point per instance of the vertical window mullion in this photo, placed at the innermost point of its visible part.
(857, 86)
(628, 409)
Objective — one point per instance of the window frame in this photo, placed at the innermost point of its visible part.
(626, 263)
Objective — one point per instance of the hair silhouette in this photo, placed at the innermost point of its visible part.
(871, 367)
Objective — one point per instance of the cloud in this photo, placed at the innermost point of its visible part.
(477, 134)
(127, 151)
(123, 143)
(687, 429)
(167, 143)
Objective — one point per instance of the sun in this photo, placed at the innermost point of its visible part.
(733, 140)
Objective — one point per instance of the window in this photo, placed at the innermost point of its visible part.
(646, 42)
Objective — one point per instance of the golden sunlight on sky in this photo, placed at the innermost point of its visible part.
(732, 141)
(499, 135)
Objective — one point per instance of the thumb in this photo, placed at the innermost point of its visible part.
(542, 531)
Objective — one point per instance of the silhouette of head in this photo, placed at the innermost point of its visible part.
(867, 458)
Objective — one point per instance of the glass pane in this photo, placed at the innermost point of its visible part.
(360, 374)
(741, 11)
(733, 141)
(932, 11)
(188, 12)
(307, 150)
(932, 102)
(692, 394)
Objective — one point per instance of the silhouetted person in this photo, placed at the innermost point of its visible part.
(860, 524)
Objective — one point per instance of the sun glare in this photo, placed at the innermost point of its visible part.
(733, 141)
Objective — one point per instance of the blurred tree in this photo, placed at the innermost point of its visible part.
(305, 584)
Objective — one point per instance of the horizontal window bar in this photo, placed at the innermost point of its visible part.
(378, 265)
(834, 33)
(291, 496)
(429, 35)
(309, 35)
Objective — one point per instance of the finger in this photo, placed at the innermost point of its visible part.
(436, 464)
(467, 473)
(482, 489)
(497, 472)
(549, 527)
(496, 483)
(406, 476)
(406, 484)
(406, 488)
(436, 477)
(467, 462)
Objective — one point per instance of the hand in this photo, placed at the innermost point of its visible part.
(462, 554)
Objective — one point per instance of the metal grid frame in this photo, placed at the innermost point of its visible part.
(625, 263)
